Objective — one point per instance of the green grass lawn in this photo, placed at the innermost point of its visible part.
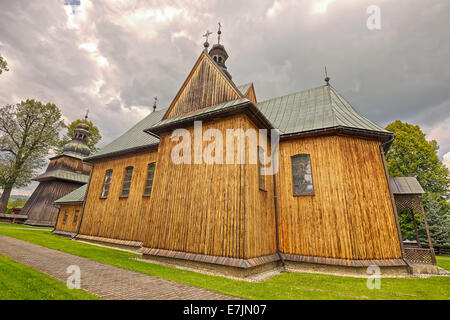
(443, 263)
(283, 286)
(20, 282)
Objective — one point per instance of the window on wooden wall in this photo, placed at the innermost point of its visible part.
(261, 177)
(75, 217)
(127, 182)
(66, 214)
(302, 175)
(107, 183)
(149, 180)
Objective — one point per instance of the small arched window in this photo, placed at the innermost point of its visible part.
(127, 182)
(106, 184)
(261, 176)
(302, 175)
(75, 218)
(149, 180)
(66, 214)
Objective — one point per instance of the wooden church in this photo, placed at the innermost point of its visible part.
(328, 204)
(65, 173)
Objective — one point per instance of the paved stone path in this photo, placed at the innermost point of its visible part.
(103, 280)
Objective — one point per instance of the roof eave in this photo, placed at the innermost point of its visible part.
(336, 130)
(122, 152)
(246, 107)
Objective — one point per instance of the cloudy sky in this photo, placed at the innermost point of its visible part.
(114, 56)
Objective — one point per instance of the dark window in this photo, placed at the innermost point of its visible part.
(66, 214)
(149, 180)
(107, 183)
(127, 182)
(75, 218)
(302, 175)
(261, 177)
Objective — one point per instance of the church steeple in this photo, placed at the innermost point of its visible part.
(78, 145)
(219, 54)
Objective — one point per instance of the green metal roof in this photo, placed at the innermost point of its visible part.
(63, 175)
(406, 185)
(69, 154)
(243, 88)
(320, 108)
(133, 139)
(76, 196)
(314, 109)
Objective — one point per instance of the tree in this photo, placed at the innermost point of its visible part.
(439, 225)
(28, 131)
(93, 139)
(3, 65)
(411, 155)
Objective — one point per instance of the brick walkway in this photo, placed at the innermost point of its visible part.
(105, 281)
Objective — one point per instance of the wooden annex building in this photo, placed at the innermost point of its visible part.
(329, 204)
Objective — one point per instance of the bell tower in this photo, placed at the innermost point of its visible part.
(219, 54)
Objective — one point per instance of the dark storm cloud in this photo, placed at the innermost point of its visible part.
(126, 52)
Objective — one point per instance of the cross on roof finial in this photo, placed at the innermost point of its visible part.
(207, 34)
(86, 116)
(219, 33)
(327, 78)
(206, 44)
(154, 104)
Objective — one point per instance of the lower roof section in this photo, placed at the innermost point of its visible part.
(60, 174)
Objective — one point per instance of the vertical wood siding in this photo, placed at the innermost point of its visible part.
(116, 217)
(351, 215)
(69, 226)
(206, 86)
(211, 209)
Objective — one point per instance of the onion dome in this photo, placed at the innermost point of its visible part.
(78, 145)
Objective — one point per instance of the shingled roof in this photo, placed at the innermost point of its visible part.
(76, 196)
(406, 185)
(315, 109)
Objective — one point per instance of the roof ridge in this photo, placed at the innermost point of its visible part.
(329, 87)
(290, 94)
(345, 103)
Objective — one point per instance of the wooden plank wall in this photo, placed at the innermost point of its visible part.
(115, 217)
(69, 226)
(351, 215)
(214, 209)
(40, 208)
(251, 94)
(206, 86)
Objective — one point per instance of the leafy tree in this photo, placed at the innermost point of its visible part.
(3, 65)
(28, 131)
(93, 139)
(411, 155)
